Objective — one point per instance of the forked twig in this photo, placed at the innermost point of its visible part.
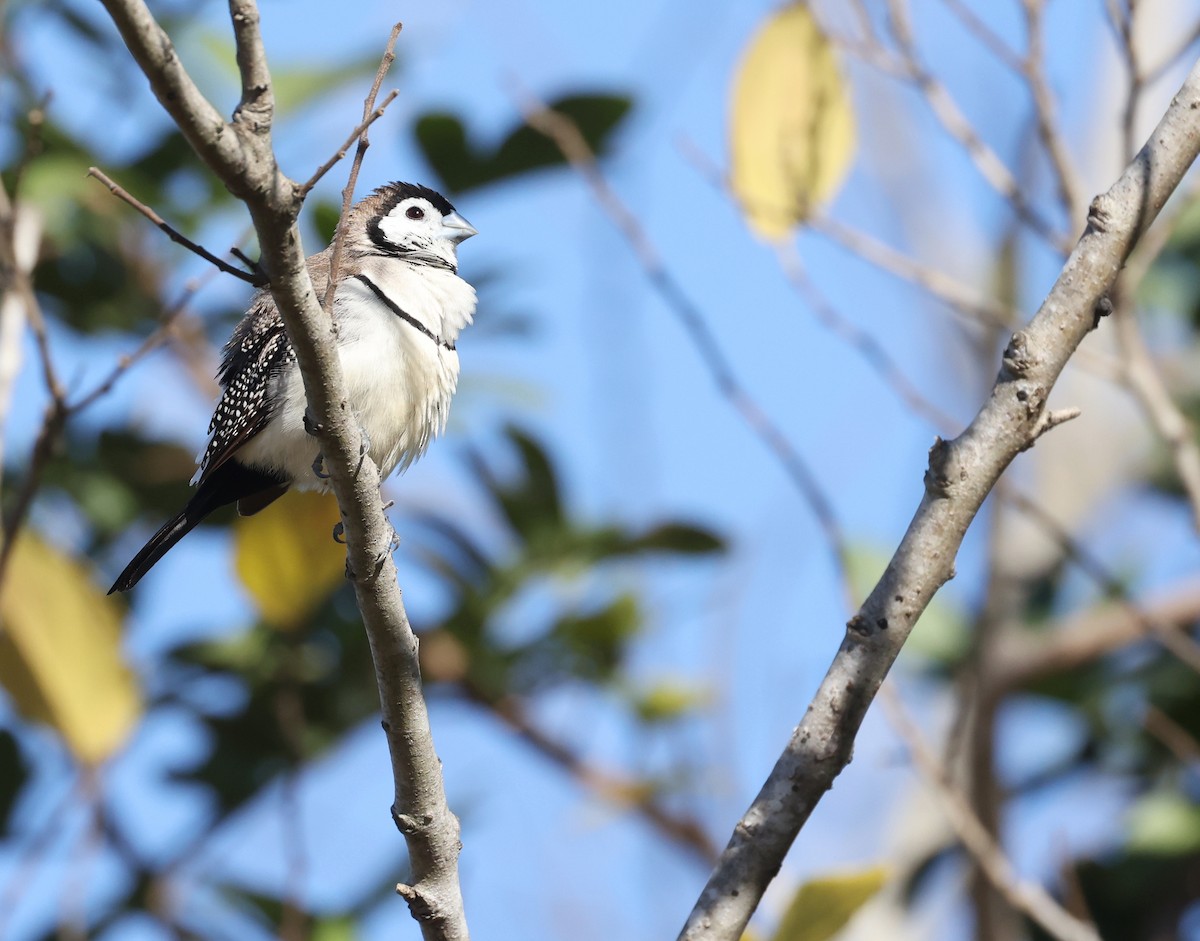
(335, 258)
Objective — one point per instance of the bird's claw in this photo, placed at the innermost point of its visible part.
(311, 425)
(339, 533)
(318, 468)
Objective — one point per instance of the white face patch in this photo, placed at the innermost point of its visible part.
(398, 229)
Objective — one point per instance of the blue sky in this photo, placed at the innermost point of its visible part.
(611, 380)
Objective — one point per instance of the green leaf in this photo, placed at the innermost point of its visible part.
(668, 700)
(444, 142)
(822, 907)
(679, 537)
(1164, 823)
(334, 929)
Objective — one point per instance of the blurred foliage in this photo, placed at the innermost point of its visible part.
(287, 558)
(462, 165)
(544, 544)
(49, 606)
(820, 908)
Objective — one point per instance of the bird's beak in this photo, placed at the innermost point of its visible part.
(456, 228)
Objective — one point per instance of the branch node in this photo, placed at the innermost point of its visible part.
(1018, 359)
(1104, 307)
(419, 904)
(1099, 216)
(407, 824)
(937, 478)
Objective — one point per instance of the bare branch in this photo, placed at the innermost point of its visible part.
(1168, 634)
(1084, 638)
(1145, 381)
(1066, 176)
(956, 124)
(172, 233)
(871, 350)
(988, 38)
(959, 297)
(241, 156)
(685, 832)
(335, 257)
(574, 147)
(961, 473)
(356, 134)
(1026, 897)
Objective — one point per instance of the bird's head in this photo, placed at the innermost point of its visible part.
(411, 222)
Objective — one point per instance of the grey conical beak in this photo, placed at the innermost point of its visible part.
(456, 228)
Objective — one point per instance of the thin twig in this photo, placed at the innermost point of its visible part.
(956, 124)
(1066, 176)
(1144, 379)
(1121, 22)
(335, 257)
(864, 342)
(957, 296)
(684, 831)
(1167, 633)
(1090, 636)
(1171, 59)
(962, 300)
(575, 149)
(255, 278)
(160, 335)
(1027, 897)
(356, 134)
(987, 37)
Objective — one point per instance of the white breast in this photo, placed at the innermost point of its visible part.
(399, 380)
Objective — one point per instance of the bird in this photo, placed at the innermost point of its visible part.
(398, 309)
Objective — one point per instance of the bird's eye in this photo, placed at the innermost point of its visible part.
(415, 212)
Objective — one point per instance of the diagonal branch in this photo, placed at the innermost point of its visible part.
(170, 231)
(960, 475)
(1027, 897)
(240, 154)
(567, 137)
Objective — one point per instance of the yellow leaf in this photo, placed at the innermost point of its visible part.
(286, 557)
(791, 126)
(822, 907)
(60, 651)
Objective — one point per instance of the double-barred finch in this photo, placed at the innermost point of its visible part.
(398, 309)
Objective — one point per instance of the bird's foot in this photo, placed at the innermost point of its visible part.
(318, 468)
(311, 425)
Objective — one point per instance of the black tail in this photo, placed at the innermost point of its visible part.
(229, 482)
